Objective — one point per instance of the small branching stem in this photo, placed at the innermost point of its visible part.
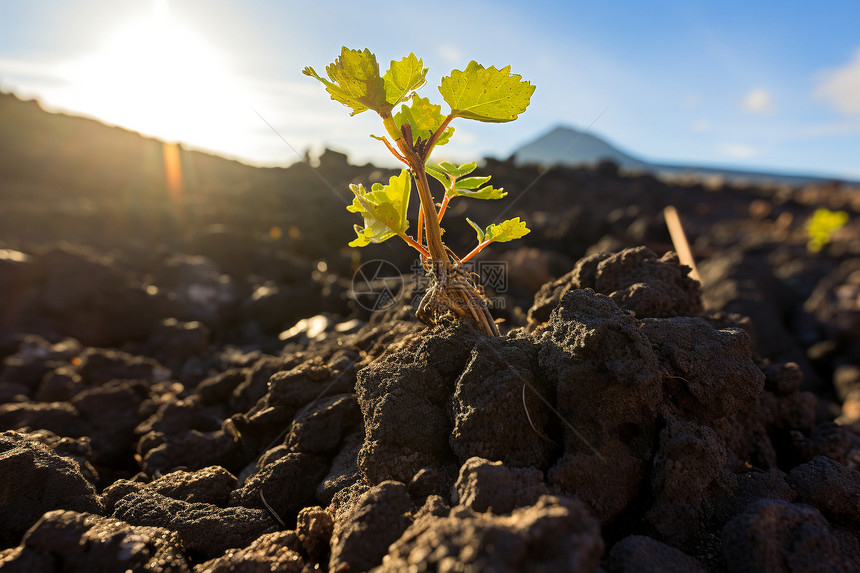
(393, 151)
(415, 245)
(475, 251)
(436, 135)
(420, 231)
(444, 206)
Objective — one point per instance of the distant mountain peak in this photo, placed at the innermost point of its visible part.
(566, 145)
(562, 128)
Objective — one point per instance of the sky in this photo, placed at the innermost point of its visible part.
(759, 85)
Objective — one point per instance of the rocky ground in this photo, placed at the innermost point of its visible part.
(189, 380)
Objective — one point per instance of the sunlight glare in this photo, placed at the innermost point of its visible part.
(156, 76)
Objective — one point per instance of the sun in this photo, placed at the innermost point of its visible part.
(156, 75)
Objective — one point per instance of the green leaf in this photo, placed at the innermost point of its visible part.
(448, 175)
(383, 209)
(822, 225)
(471, 182)
(488, 192)
(403, 77)
(477, 229)
(486, 94)
(424, 118)
(458, 171)
(506, 231)
(438, 175)
(355, 81)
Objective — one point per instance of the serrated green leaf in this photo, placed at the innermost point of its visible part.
(424, 118)
(355, 81)
(383, 209)
(506, 231)
(404, 77)
(488, 192)
(477, 229)
(438, 175)
(471, 182)
(486, 94)
(458, 170)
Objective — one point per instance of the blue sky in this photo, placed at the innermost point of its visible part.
(752, 85)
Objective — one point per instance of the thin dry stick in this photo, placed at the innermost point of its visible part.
(532, 424)
(272, 510)
(679, 239)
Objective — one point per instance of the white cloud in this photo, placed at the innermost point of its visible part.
(739, 151)
(841, 87)
(450, 54)
(759, 100)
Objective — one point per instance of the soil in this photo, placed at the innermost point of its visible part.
(190, 382)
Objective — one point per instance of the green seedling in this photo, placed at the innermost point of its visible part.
(821, 227)
(411, 134)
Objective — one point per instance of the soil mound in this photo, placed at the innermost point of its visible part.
(197, 382)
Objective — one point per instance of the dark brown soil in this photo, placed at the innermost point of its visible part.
(630, 418)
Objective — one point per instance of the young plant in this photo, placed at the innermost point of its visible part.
(477, 93)
(821, 227)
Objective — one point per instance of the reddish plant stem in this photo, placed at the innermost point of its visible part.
(475, 251)
(435, 137)
(420, 233)
(394, 151)
(444, 206)
(415, 245)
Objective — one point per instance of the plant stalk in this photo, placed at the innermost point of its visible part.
(438, 254)
(443, 267)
